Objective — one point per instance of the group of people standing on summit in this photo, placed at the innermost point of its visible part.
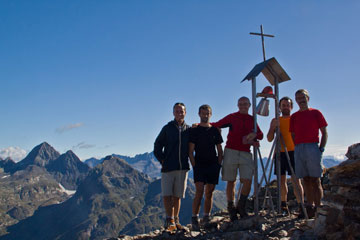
(178, 142)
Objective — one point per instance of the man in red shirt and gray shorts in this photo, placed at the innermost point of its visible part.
(304, 127)
(237, 156)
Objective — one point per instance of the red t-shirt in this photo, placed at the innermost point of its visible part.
(240, 126)
(306, 125)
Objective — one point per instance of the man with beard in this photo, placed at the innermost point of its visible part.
(304, 127)
(204, 141)
(286, 106)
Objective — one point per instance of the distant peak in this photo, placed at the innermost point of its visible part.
(8, 159)
(40, 155)
(44, 144)
(109, 157)
(69, 152)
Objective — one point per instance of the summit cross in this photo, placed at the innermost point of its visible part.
(262, 39)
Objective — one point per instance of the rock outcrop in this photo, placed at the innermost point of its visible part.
(339, 217)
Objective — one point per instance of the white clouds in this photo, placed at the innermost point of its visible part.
(68, 127)
(83, 145)
(15, 153)
(336, 151)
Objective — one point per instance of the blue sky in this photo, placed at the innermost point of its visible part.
(101, 77)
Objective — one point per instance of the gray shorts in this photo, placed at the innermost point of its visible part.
(234, 160)
(308, 160)
(174, 183)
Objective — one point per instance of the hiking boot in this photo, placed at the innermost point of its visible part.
(170, 225)
(232, 212)
(241, 206)
(310, 211)
(301, 213)
(177, 224)
(206, 219)
(195, 224)
(284, 209)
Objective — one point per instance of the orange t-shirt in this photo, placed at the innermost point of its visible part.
(284, 129)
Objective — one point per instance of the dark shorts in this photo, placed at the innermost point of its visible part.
(207, 174)
(284, 164)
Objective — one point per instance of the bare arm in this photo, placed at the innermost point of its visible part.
(191, 153)
(220, 153)
(273, 125)
(324, 137)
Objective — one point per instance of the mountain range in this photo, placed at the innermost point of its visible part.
(49, 195)
(145, 163)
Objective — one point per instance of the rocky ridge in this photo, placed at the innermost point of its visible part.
(337, 218)
(263, 226)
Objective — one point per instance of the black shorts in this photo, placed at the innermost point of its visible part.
(284, 163)
(208, 174)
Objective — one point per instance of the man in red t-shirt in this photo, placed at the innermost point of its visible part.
(304, 127)
(237, 156)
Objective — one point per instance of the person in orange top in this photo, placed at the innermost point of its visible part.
(286, 106)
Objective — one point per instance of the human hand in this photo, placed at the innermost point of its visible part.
(250, 137)
(195, 125)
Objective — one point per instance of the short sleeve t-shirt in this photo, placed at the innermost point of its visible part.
(205, 140)
(306, 125)
(284, 129)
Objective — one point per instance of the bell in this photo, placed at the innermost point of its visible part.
(263, 107)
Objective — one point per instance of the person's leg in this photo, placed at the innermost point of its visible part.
(176, 201)
(209, 189)
(230, 194)
(314, 172)
(179, 192)
(197, 199)
(212, 178)
(246, 173)
(246, 188)
(309, 191)
(230, 191)
(283, 188)
(310, 196)
(283, 192)
(229, 173)
(318, 191)
(167, 182)
(298, 189)
(168, 205)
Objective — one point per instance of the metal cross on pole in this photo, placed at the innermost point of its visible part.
(262, 39)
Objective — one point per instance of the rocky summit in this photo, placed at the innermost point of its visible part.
(337, 218)
(263, 226)
(68, 170)
(40, 155)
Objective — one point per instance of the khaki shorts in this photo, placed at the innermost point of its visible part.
(234, 160)
(174, 183)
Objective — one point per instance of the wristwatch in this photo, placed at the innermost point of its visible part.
(321, 149)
